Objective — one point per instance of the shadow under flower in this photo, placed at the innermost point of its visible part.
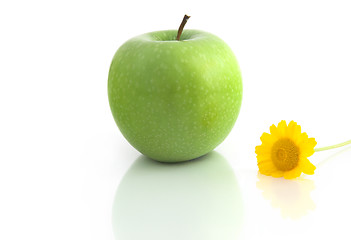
(292, 197)
(198, 199)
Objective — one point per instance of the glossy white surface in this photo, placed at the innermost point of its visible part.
(66, 172)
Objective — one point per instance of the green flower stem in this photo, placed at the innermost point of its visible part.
(333, 146)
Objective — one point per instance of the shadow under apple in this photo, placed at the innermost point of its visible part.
(198, 199)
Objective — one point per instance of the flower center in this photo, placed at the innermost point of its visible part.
(285, 154)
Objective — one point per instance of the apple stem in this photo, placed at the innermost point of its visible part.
(180, 30)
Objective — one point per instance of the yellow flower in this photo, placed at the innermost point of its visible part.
(284, 152)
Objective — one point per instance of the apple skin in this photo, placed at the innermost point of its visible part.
(175, 100)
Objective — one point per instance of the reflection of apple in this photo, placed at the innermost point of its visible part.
(175, 100)
(199, 199)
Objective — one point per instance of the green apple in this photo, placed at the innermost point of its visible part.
(175, 100)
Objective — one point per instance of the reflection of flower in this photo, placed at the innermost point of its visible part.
(284, 152)
(292, 197)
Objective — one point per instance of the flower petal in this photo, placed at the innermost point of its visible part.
(277, 174)
(307, 167)
(266, 164)
(263, 157)
(282, 128)
(263, 150)
(291, 127)
(294, 173)
(274, 130)
(302, 138)
(267, 138)
(294, 131)
(307, 147)
(266, 167)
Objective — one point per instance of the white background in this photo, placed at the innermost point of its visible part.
(62, 157)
